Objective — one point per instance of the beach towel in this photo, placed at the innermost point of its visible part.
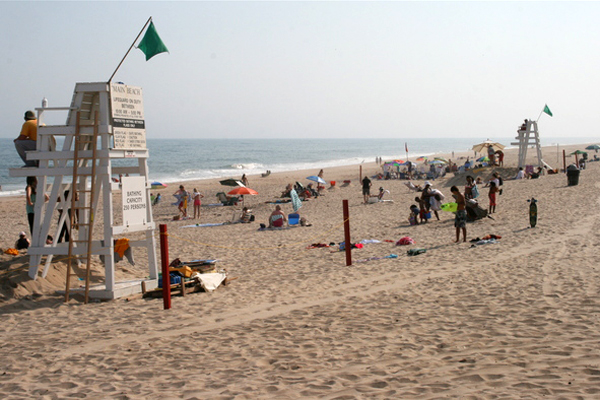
(296, 202)
(205, 225)
(210, 281)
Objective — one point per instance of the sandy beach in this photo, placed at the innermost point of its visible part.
(515, 319)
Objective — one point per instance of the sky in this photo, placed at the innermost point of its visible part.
(315, 69)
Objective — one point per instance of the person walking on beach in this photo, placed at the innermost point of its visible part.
(366, 188)
(27, 139)
(460, 218)
(197, 196)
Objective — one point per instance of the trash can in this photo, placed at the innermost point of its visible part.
(573, 175)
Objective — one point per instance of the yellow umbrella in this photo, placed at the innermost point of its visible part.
(487, 143)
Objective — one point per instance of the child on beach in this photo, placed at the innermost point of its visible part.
(471, 190)
(460, 218)
(414, 215)
(492, 196)
(422, 209)
(197, 196)
(22, 242)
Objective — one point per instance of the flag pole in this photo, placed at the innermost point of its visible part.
(538, 118)
(131, 47)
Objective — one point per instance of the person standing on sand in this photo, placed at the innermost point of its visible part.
(30, 196)
(460, 218)
(366, 188)
(492, 196)
(182, 197)
(27, 139)
(244, 180)
(469, 188)
(197, 196)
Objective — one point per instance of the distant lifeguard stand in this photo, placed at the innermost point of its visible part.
(105, 122)
(528, 135)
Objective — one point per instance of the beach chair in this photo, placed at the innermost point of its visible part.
(293, 219)
(227, 201)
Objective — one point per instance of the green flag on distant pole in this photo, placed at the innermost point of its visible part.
(545, 110)
(151, 44)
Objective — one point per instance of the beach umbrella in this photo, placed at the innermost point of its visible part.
(441, 159)
(394, 163)
(593, 147)
(243, 190)
(422, 158)
(157, 185)
(315, 178)
(487, 143)
(232, 182)
(483, 159)
(577, 152)
(437, 162)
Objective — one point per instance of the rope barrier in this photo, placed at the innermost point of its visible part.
(258, 248)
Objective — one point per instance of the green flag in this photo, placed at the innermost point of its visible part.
(151, 44)
(547, 110)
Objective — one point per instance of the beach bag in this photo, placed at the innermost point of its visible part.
(405, 241)
(475, 192)
(415, 252)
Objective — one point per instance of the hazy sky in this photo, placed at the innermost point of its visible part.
(315, 69)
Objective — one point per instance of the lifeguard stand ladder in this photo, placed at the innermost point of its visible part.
(526, 137)
(113, 114)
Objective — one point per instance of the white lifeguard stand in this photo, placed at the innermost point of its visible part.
(527, 137)
(105, 122)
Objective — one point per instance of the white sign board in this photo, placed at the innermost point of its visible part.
(129, 127)
(133, 190)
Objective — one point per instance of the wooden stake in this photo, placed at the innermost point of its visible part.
(348, 246)
(164, 259)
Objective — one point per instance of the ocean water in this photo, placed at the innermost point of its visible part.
(173, 160)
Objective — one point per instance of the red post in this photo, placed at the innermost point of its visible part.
(164, 261)
(348, 245)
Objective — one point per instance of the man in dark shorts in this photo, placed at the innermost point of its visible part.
(460, 219)
(366, 183)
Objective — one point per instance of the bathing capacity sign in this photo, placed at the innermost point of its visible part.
(129, 127)
(133, 189)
